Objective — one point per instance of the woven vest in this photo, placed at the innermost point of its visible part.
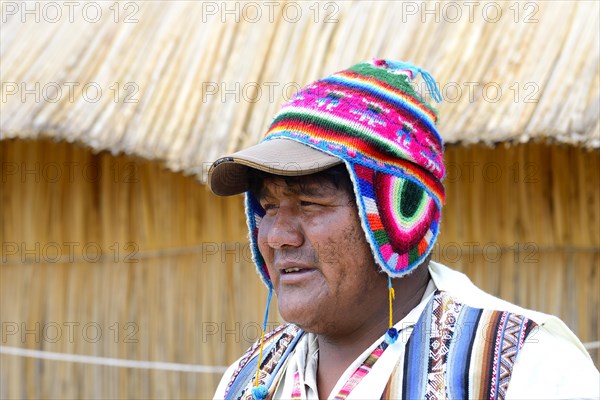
(454, 351)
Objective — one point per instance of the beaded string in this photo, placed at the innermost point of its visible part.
(259, 392)
(392, 333)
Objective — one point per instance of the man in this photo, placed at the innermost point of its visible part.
(343, 201)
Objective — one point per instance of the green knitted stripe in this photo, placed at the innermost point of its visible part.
(413, 254)
(381, 237)
(398, 81)
(339, 128)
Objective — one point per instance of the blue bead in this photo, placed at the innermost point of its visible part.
(391, 335)
(260, 392)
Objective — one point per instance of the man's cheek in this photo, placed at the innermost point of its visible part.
(262, 240)
(327, 253)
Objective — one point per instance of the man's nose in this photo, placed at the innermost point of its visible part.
(285, 230)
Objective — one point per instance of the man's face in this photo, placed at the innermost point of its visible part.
(321, 266)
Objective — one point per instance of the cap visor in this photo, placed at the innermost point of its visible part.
(229, 175)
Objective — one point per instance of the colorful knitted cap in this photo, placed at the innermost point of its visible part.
(372, 119)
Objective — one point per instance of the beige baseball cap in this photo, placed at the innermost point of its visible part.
(279, 156)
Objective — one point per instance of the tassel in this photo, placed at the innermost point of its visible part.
(431, 85)
(414, 70)
(259, 392)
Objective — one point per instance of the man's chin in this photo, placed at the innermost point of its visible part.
(294, 315)
(312, 325)
(301, 317)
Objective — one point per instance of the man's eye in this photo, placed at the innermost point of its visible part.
(269, 206)
(305, 203)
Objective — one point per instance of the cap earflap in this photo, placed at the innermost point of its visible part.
(254, 215)
(399, 216)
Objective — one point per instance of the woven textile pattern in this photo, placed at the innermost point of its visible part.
(470, 352)
(283, 337)
(443, 322)
(454, 352)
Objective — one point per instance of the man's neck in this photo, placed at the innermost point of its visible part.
(336, 354)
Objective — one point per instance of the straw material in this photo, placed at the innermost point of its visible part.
(192, 84)
(174, 284)
(521, 221)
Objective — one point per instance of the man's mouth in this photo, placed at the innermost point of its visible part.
(295, 274)
(292, 270)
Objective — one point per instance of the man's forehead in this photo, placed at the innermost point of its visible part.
(311, 185)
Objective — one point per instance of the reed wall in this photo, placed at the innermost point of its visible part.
(114, 256)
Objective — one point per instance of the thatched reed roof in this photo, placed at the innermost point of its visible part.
(184, 82)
